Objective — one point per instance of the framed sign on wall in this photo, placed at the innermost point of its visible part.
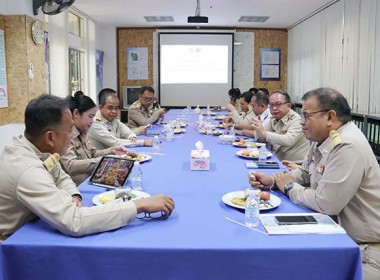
(270, 64)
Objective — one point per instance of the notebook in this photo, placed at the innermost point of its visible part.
(111, 172)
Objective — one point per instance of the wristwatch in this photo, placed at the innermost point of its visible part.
(288, 186)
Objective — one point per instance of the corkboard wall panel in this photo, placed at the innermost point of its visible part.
(4, 112)
(20, 51)
(133, 37)
(270, 38)
(15, 50)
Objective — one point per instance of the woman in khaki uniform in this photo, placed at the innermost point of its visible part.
(82, 157)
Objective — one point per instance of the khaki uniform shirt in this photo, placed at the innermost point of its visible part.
(81, 157)
(242, 118)
(342, 177)
(104, 134)
(34, 185)
(140, 116)
(265, 116)
(287, 137)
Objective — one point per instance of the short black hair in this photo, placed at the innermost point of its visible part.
(144, 88)
(247, 96)
(80, 102)
(104, 93)
(234, 93)
(331, 99)
(284, 93)
(42, 113)
(253, 90)
(264, 90)
(261, 98)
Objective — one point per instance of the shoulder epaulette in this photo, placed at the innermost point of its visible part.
(98, 118)
(51, 161)
(335, 138)
(290, 116)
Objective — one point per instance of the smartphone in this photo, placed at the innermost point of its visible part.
(295, 220)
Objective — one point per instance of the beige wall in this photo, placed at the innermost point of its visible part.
(143, 37)
(20, 51)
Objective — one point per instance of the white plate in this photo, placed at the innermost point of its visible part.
(220, 117)
(248, 144)
(269, 154)
(274, 200)
(139, 194)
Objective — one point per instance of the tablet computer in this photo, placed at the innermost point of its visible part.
(111, 172)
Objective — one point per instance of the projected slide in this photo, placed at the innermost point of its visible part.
(194, 64)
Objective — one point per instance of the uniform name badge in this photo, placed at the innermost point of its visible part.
(320, 168)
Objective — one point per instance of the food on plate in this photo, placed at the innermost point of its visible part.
(264, 195)
(238, 201)
(242, 141)
(250, 153)
(107, 198)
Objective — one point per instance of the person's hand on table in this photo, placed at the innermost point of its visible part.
(119, 150)
(228, 125)
(154, 204)
(227, 119)
(291, 165)
(77, 201)
(161, 112)
(141, 130)
(260, 180)
(281, 179)
(148, 142)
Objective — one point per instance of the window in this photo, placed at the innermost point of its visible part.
(75, 70)
(76, 25)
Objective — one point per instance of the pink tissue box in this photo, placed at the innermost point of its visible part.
(200, 160)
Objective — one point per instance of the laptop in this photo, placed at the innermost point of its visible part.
(111, 172)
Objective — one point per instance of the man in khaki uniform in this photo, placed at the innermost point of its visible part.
(259, 104)
(107, 130)
(141, 112)
(34, 184)
(245, 115)
(283, 130)
(339, 176)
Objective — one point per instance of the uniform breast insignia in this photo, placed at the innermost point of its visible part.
(87, 145)
(51, 161)
(335, 138)
(320, 168)
(77, 144)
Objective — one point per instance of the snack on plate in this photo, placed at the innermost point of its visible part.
(265, 196)
(238, 201)
(250, 153)
(107, 198)
(135, 156)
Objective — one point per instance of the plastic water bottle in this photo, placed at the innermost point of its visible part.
(156, 143)
(252, 209)
(137, 177)
(263, 153)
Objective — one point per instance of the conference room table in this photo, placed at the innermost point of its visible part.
(195, 242)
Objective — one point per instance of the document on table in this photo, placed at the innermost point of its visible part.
(325, 225)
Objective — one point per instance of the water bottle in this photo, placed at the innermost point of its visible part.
(137, 177)
(263, 153)
(252, 209)
(156, 143)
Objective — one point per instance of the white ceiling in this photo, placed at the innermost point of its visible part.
(221, 13)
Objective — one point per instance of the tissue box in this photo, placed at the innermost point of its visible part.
(200, 160)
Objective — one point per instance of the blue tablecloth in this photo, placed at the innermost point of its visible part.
(196, 242)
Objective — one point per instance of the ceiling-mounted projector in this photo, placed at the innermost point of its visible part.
(197, 18)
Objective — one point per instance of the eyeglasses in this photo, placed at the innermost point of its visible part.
(306, 116)
(277, 104)
(153, 216)
(111, 108)
(148, 99)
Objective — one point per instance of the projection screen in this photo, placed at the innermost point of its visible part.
(195, 68)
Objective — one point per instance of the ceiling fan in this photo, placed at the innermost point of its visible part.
(51, 7)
